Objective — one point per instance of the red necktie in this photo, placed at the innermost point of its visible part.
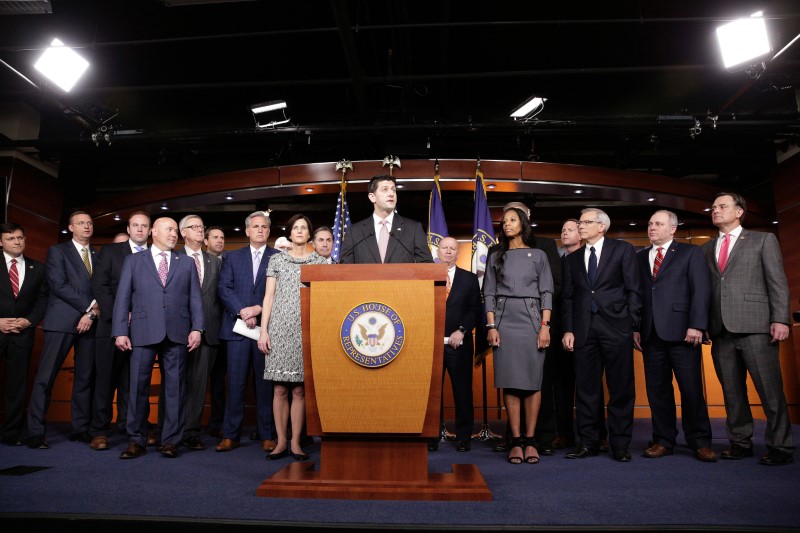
(723, 252)
(657, 262)
(14, 277)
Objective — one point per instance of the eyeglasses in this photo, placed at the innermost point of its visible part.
(196, 227)
(585, 222)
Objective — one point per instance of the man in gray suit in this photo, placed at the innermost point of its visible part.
(749, 316)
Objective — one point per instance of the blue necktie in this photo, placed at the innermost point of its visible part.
(139, 248)
(593, 274)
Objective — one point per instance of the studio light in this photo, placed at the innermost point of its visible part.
(744, 42)
(61, 65)
(270, 114)
(529, 109)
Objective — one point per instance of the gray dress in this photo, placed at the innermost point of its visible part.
(285, 361)
(517, 296)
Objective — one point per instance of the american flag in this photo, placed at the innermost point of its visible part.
(341, 224)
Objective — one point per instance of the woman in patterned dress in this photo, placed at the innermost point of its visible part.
(281, 340)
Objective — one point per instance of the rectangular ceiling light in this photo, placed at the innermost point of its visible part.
(270, 114)
(268, 106)
(744, 42)
(61, 65)
(532, 105)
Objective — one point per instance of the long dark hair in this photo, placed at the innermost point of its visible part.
(503, 242)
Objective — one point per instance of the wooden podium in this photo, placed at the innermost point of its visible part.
(372, 349)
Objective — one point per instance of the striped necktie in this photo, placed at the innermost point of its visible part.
(657, 262)
(13, 275)
(85, 256)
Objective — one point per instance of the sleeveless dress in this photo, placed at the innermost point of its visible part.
(285, 361)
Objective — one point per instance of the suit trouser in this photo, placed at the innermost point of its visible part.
(55, 349)
(564, 390)
(244, 356)
(172, 360)
(661, 359)
(608, 348)
(17, 360)
(734, 356)
(217, 380)
(459, 368)
(198, 367)
(111, 367)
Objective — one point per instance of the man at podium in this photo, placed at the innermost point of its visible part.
(385, 237)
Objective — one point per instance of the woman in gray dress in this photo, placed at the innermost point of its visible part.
(518, 290)
(281, 337)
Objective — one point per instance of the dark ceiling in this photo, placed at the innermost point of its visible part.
(625, 83)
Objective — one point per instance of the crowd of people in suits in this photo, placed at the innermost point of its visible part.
(558, 322)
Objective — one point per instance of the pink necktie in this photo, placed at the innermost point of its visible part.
(197, 264)
(383, 239)
(657, 262)
(163, 268)
(14, 277)
(723, 252)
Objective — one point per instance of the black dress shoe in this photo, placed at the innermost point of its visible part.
(581, 453)
(735, 452)
(133, 451)
(83, 436)
(194, 443)
(623, 456)
(433, 445)
(603, 445)
(277, 455)
(463, 446)
(300, 456)
(37, 442)
(545, 449)
(501, 446)
(169, 450)
(776, 458)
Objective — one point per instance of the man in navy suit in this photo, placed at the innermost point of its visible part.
(676, 292)
(385, 237)
(112, 366)
(23, 300)
(463, 311)
(242, 283)
(69, 323)
(158, 310)
(601, 308)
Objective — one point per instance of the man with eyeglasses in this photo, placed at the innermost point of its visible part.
(69, 322)
(602, 304)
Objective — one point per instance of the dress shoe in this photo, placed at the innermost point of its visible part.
(463, 445)
(194, 443)
(433, 445)
(602, 445)
(300, 456)
(37, 442)
(776, 458)
(657, 451)
(622, 456)
(501, 446)
(227, 445)
(279, 455)
(133, 451)
(268, 445)
(707, 455)
(12, 441)
(545, 449)
(82, 436)
(99, 443)
(152, 440)
(581, 452)
(736, 452)
(560, 443)
(169, 450)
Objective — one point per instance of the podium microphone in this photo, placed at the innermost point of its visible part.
(391, 234)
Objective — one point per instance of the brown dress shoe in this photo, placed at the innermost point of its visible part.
(268, 445)
(227, 445)
(99, 442)
(152, 440)
(169, 450)
(707, 455)
(656, 451)
(133, 451)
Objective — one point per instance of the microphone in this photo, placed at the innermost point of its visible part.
(353, 248)
(391, 234)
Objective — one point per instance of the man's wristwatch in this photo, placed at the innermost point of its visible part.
(91, 315)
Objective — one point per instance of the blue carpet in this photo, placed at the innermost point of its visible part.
(205, 487)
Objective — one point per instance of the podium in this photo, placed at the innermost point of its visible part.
(372, 350)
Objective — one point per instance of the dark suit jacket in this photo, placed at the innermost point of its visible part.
(70, 287)
(105, 280)
(753, 292)
(212, 308)
(236, 287)
(407, 243)
(30, 303)
(157, 311)
(678, 298)
(617, 290)
(463, 309)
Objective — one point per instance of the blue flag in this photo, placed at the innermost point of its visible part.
(437, 227)
(341, 224)
(482, 230)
